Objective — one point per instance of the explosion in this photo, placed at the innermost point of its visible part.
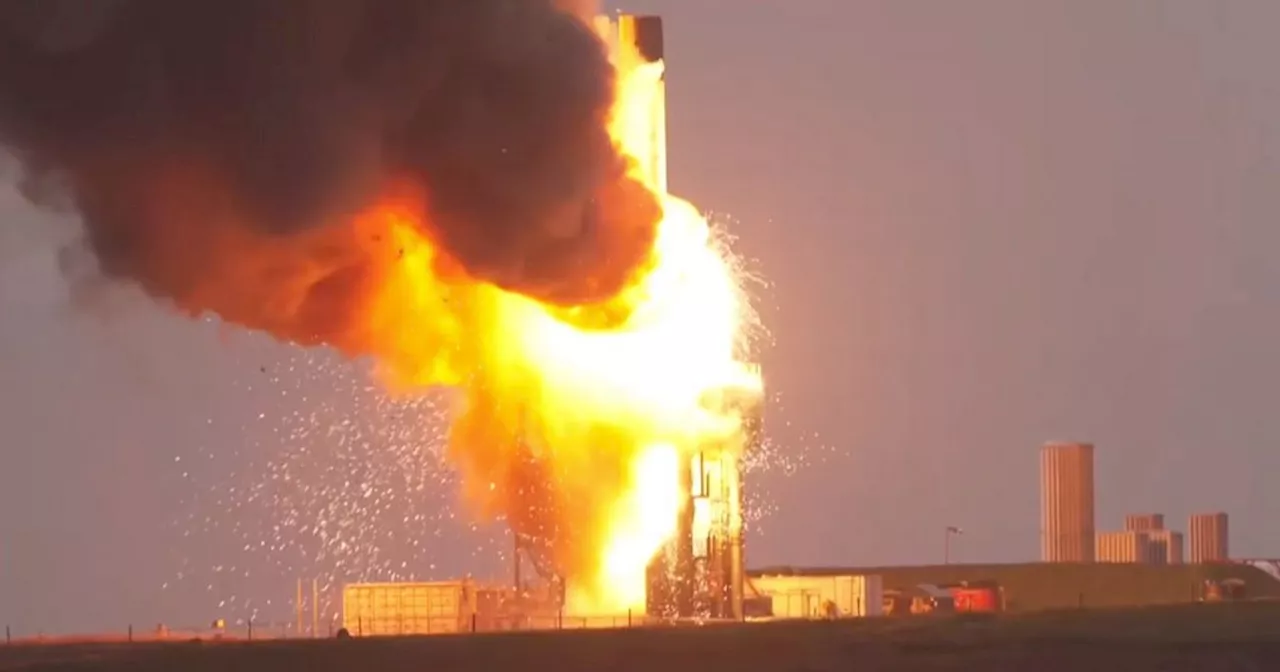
(512, 241)
(571, 430)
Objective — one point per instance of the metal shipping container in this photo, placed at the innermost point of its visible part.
(823, 596)
(407, 608)
(975, 598)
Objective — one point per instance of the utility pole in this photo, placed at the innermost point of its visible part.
(515, 561)
(297, 604)
(315, 607)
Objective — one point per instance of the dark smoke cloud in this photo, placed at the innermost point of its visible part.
(216, 147)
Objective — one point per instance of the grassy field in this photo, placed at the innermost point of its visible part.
(1227, 636)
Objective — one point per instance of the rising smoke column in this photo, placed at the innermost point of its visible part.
(219, 152)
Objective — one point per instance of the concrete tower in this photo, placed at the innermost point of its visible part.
(1208, 537)
(1066, 502)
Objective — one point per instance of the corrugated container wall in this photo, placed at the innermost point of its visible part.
(407, 608)
(976, 599)
(845, 596)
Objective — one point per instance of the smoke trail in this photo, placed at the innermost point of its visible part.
(218, 152)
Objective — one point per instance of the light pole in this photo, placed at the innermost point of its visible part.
(946, 542)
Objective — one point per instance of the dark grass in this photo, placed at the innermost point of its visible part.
(1225, 636)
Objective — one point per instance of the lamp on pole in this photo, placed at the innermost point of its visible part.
(946, 542)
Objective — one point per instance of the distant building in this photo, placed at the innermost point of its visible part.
(1147, 547)
(1066, 502)
(1144, 521)
(1168, 545)
(1128, 546)
(1208, 534)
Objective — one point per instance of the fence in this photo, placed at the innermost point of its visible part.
(400, 624)
(246, 631)
(262, 631)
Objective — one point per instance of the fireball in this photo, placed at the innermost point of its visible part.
(574, 431)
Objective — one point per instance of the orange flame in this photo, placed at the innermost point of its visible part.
(605, 415)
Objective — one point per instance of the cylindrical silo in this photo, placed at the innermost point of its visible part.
(1142, 522)
(1207, 538)
(1066, 502)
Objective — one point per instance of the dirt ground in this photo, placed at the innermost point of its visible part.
(1241, 637)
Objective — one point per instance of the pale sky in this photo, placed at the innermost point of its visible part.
(986, 224)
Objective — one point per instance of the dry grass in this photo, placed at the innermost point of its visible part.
(1241, 636)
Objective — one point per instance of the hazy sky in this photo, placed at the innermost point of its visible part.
(987, 224)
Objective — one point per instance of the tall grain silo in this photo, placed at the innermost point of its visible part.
(1066, 502)
(1169, 545)
(1207, 538)
(1140, 522)
(1128, 547)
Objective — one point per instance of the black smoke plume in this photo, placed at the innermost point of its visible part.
(216, 147)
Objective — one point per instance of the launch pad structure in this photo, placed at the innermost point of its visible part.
(699, 573)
